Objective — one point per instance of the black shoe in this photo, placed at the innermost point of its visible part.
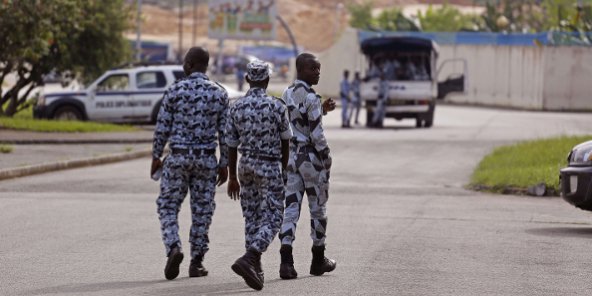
(171, 270)
(287, 270)
(245, 267)
(259, 271)
(321, 264)
(196, 268)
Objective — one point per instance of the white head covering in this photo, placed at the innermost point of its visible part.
(258, 70)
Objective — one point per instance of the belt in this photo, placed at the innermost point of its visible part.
(305, 149)
(197, 152)
(262, 157)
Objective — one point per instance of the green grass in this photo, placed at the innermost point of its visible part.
(24, 121)
(516, 167)
(5, 148)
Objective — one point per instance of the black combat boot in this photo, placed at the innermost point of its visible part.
(321, 264)
(287, 270)
(171, 270)
(196, 269)
(259, 271)
(245, 267)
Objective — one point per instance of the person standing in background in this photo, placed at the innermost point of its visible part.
(356, 102)
(344, 95)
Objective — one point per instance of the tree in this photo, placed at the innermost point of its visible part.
(77, 36)
(360, 15)
(394, 20)
(445, 19)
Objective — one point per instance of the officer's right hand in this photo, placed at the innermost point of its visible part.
(156, 164)
(233, 188)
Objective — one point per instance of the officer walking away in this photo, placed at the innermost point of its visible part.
(192, 116)
(356, 102)
(379, 112)
(308, 167)
(258, 126)
(344, 95)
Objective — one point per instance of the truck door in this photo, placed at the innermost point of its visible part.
(111, 99)
(150, 89)
(455, 81)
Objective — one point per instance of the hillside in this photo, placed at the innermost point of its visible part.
(313, 22)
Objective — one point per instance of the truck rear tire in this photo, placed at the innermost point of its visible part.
(418, 122)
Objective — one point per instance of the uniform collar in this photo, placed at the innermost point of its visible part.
(306, 85)
(255, 91)
(198, 75)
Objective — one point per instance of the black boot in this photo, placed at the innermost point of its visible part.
(171, 270)
(259, 271)
(321, 264)
(196, 268)
(245, 267)
(287, 270)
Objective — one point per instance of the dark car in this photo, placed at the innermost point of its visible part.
(576, 178)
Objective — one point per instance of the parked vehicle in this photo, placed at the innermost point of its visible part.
(120, 95)
(576, 178)
(409, 65)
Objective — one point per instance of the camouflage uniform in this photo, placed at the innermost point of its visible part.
(192, 116)
(256, 124)
(309, 164)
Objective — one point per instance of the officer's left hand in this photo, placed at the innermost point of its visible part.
(222, 176)
(329, 105)
(156, 164)
(233, 189)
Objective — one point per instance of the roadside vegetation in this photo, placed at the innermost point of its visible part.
(513, 169)
(24, 121)
(5, 149)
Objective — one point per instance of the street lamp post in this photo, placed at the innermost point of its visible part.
(180, 52)
(139, 32)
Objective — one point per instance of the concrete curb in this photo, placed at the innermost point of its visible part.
(70, 164)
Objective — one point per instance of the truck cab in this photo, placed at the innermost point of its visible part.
(409, 65)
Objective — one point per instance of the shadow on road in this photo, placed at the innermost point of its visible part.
(580, 232)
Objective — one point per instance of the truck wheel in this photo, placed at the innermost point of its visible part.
(429, 119)
(369, 116)
(418, 122)
(155, 111)
(67, 113)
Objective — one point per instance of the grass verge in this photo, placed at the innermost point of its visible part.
(5, 149)
(24, 121)
(514, 168)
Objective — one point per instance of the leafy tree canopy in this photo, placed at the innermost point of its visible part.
(83, 37)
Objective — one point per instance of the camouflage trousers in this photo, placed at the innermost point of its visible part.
(306, 174)
(262, 200)
(196, 174)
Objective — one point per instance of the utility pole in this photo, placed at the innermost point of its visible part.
(180, 49)
(139, 32)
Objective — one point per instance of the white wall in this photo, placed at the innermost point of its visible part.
(525, 77)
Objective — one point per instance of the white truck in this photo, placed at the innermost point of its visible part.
(120, 95)
(408, 63)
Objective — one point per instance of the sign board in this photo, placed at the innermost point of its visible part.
(242, 19)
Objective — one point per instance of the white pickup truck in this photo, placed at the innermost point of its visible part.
(408, 63)
(120, 95)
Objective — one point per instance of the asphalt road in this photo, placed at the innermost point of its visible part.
(400, 222)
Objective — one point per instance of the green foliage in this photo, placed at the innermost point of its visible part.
(67, 36)
(388, 20)
(360, 15)
(445, 19)
(5, 149)
(525, 164)
(394, 20)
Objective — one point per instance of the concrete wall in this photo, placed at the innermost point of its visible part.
(525, 77)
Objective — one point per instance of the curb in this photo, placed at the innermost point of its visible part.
(70, 164)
